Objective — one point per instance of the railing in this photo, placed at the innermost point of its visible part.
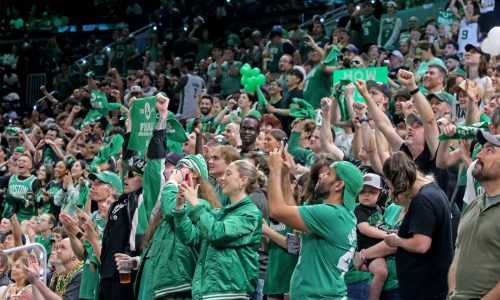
(141, 34)
(33, 84)
(32, 246)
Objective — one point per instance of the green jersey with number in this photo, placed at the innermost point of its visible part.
(318, 84)
(275, 53)
(326, 252)
(18, 192)
(387, 26)
(370, 28)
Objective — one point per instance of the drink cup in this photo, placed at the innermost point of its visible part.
(125, 270)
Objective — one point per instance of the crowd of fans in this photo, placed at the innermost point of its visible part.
(289, 188)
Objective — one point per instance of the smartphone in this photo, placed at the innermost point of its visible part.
(187, 178)
(292, 243)
(203, 91)
(285, 141)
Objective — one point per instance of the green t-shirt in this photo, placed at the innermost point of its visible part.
(326, 252)
(391, 215)
(229, 83)
(280, 265)
(275, 53)
(90, 278)
(317, 85)
(45, 243)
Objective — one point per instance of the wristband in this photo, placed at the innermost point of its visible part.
(413, 92)
(365, 119)
(362, 256)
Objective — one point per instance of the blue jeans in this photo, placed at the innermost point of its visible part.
(259, 291)
(359, 290)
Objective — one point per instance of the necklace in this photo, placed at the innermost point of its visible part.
(65, 277)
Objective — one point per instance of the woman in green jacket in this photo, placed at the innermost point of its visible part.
(167, 264)
(227, 266)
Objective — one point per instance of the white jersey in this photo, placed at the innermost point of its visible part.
(193, 87)
(467, 35)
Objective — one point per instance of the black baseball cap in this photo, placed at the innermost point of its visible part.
(174, 157)
(484, 136)
(384, 88)
(470, 47)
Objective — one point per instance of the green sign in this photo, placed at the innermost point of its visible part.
(379, 74)
(99, 102)
(143, 118)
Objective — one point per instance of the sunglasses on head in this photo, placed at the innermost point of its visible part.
(132, 173)
(356, 62)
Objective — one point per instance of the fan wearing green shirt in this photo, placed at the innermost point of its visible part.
(328, 227)
(307, 156)
(45, 224)
(233, 114)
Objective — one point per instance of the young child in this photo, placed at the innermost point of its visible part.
(370, 220)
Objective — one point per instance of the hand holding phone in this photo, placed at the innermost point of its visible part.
(187, 178)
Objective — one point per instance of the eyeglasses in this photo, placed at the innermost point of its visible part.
(40, 220)
(356, 62)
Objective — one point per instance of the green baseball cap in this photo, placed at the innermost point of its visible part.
(175, 131)
(353, 181)
(109, 178)
(19, 149)
(195, 163)
(442, 96)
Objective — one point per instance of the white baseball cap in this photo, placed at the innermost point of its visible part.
(373, 180)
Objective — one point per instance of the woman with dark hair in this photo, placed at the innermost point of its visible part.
(20, 289)
(423, 244)
(227, 267)
(75, 189)
(476, 65)
(45, 174)
(60, 171)
(234, 112)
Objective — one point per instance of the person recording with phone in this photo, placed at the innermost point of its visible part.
(167, 264)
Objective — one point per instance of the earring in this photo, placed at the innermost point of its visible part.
(73, 258)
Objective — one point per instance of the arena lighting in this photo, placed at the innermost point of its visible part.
(108, 49)
(155, 28)
(84, 61)
(322, 19)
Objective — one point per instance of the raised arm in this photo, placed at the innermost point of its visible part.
(69, 120)
(445, 158)
(431, 131)
(223, 117)
(278, 208)
(367, 137)
(325, 132)
(381, 120)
